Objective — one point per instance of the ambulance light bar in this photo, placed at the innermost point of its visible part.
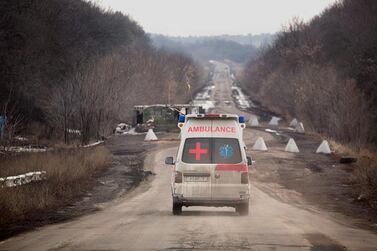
(213, 115)
(181, 118)
(240, 119)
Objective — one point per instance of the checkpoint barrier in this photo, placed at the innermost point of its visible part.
(291, 146)
(274, 121)
(151, 136)
(293, 123)
(324, 148)
(253, 122)
(300, 128)
(22, 179)
(259, 145)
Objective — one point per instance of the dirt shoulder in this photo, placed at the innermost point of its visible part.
(124, 172)
(319, 179)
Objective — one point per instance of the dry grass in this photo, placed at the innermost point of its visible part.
(365, 175)
(69, 173)
(366, 180)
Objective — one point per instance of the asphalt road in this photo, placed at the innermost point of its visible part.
(142, 220)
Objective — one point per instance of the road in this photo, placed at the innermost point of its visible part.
(142, 220)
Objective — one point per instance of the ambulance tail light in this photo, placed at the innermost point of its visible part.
(178, 177)
(245, 178)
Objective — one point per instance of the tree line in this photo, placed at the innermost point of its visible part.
(324, 72)
(204, 49)
(71, 65)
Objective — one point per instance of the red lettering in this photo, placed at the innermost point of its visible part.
(219, 129)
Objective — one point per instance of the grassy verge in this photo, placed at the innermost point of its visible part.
(365, 174)
(69, 173)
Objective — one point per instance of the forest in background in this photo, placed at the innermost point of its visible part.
(239, 49)
(70, 65)
(324, 72)
(256, 40)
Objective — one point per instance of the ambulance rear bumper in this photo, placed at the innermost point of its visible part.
(217, 202)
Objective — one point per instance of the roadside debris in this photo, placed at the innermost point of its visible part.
(324, 148)
(122, 128)
(259, 145)
(347, 160)
(151, 136)
(291, 146)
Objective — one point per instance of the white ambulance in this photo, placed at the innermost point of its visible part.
(211, 167)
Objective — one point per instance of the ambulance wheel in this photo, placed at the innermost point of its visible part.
(243, 209)
(177, 208)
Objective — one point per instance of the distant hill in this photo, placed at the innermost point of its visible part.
(238, 48)
(249, 39)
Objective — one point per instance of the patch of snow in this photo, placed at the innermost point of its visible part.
(22, 179)
(19, 138)
(27, 149)
(74, 131)
(94, 144)
(133, 132)
(270, 130)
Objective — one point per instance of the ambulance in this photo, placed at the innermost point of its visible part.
(211, 167)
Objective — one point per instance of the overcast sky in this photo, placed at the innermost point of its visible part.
(215, 17)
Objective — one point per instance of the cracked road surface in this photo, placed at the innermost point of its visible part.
(142, 220)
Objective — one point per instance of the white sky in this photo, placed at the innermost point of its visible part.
(215, 17)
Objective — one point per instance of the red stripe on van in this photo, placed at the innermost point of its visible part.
(232, 167)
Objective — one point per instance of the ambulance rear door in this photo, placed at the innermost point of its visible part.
(228, 160)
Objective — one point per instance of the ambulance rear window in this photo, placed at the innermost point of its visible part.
(211, 150)
(197, 150)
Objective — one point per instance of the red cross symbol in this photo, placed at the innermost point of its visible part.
(198, 151)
